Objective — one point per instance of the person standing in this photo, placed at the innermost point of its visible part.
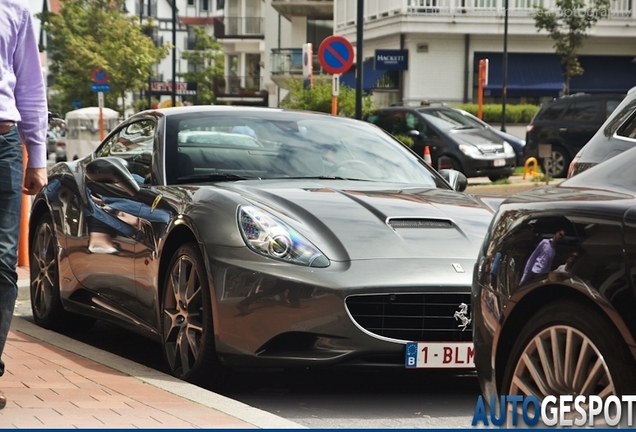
(23, 119)
(541, 259)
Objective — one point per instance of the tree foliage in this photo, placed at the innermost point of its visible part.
(208, 61)
(318, 98)
(89, 34)
(567, 27)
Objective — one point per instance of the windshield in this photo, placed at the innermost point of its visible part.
(234, 145)
(447, 119)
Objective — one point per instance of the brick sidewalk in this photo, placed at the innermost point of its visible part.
(52, 381)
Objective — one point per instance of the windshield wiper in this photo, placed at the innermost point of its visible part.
(465, 127)
(213, 177)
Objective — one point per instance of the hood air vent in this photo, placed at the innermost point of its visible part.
(419, 223)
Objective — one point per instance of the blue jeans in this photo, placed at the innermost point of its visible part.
(11, 172)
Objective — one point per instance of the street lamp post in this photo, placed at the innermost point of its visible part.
(174, 52)
(359, 55)
(504, 80)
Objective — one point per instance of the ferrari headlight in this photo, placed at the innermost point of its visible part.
(269, 236)
(469, 150)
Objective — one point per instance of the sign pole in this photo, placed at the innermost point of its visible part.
(334, 94)
(100, 100)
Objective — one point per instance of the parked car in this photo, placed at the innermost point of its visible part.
(60, 147)
(306, 240)
(554, 289)
(454, 140)
(567, 124)
(517, 143)
(617, 134)
(51, 140)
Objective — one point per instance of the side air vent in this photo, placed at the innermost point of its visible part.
(419, 223)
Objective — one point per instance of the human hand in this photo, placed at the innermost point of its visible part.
(34, 180)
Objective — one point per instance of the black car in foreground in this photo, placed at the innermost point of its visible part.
(256, 237)
(554, 288)
(454, 139)
(567, 124)
(617, 134)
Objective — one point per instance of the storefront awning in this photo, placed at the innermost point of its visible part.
(529, 74)
(605, 74)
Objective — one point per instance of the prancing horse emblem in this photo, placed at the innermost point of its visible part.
(461, 316)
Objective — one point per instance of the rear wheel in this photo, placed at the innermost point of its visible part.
(569, 348)
(46, 305)
(496, 177)
(558, 164)
(188, 333)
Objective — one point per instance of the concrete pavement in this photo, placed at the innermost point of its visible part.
(52, 381)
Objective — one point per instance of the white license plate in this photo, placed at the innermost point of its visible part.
(439, 355)
(499, 162)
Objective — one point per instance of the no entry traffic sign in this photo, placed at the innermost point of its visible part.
(335, 54)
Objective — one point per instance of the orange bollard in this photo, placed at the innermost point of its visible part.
(23, 245)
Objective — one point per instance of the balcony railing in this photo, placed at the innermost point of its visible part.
(238, 27)
(238, 85)
(480, 9)
(289, 61)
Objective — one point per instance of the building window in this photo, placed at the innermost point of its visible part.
(205, 5)
(190, 2)
(318, 30)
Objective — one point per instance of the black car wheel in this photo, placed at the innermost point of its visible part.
(559, 163)
(494, 178)
(188, 335)
(46, 305)
(569, 348)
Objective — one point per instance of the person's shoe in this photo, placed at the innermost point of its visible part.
(3, 400)
(99, 249)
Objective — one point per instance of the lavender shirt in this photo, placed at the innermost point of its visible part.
(22, 91)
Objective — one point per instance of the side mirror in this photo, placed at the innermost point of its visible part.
(413, 133)
(456, 179)
(112, 170)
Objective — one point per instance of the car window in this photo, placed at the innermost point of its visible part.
(296, 146)
(551, 112)
(619, 117)
(447, 119)
(134, 144)
(582, 111)
(628, 129)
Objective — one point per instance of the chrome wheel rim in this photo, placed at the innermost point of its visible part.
(556, 164)
(44, 270)
(183, 316)
(561, 360)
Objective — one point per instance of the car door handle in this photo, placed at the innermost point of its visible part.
(563, 129)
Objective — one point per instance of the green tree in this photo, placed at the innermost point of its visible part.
(567, 27)
(89, 34)
(318, 98)
(208, 64)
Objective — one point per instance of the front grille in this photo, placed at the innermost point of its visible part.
(412, 317)
(419, 223)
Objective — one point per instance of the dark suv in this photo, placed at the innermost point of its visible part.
(616, 135)
(454, 140)
(567, 123)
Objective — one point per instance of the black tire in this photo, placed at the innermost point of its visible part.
(559, 163)
(187, 319)
(547, 328)
(46, 305)
(496, 177)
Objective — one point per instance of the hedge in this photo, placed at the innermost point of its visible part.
(514, 113)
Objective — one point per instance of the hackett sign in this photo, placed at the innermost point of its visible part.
(391, 60)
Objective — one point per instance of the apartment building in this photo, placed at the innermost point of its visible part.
(445, 39)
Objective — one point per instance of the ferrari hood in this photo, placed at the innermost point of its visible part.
(371, 222)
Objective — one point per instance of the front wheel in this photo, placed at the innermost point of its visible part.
(46, 305)
(188, 333)
(494, 178)
(569, 348)
(558, 164)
